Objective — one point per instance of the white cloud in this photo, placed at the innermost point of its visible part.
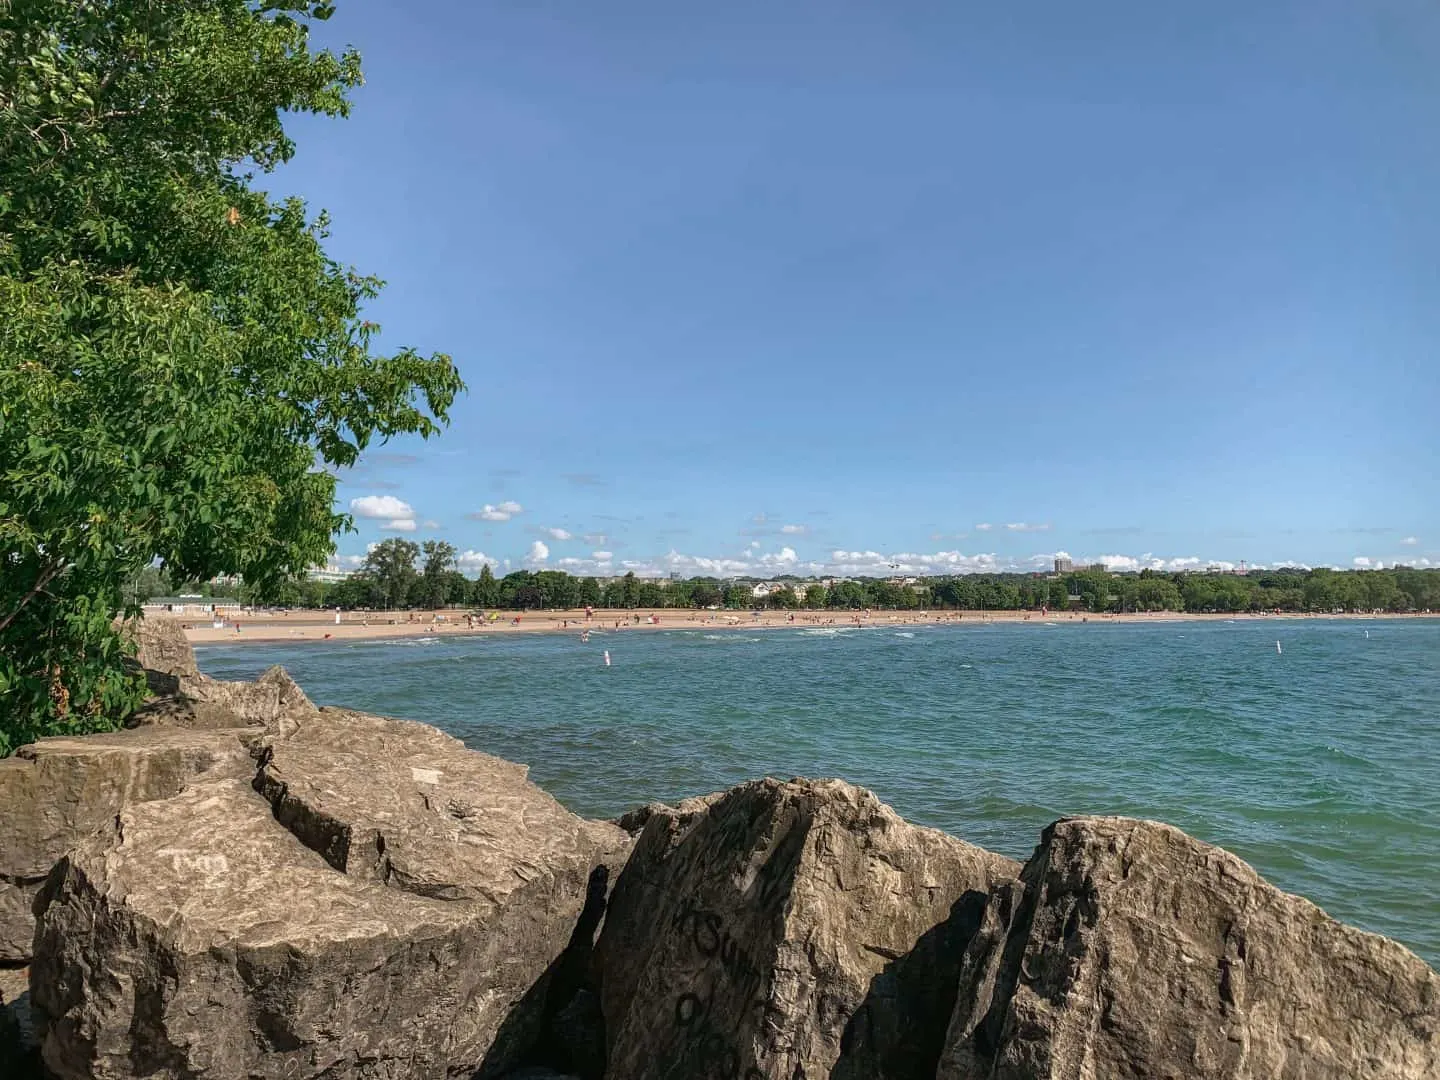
(760, 518)
(1361, 561)
(400, 525)
(755, 545)
(558, 534)
(1119, 563)
(1411, 541)
(504, 512)
(845, 563)
(1024, 526)
(344, 562)
(1058, 555)
(430, 523)
(474, 560)
(794, 530)
(381, 506)
(595, 538)
(984, 526)
(874, 564)
(785, 557)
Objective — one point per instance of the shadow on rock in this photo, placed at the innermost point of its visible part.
(557, 1027)
(898, 1032)
(19, 1046)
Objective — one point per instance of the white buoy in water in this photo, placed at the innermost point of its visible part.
(1367, 635)
(1278, 649)
(607, 657)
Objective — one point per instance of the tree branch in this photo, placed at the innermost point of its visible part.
(47, 573)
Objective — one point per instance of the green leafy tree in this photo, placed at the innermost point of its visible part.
(816, 597)
(390, 564)
(783, 598)
(433, 588)
(457, 587)
(589, 592)
(738, 597)
(1059, 595)
(486, 593)
(149, 581)
(359, 590)
(705, 594)
(177, 351)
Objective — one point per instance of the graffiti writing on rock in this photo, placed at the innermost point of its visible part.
(707, 933)
(708, 1049)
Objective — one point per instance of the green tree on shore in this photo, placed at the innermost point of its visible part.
(436, 583)
(390, 567)
(178, 353)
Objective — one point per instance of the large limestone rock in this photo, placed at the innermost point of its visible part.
(787, 930)
(403, 804)
(378, 902)
(199, 701)
(1134, 950)
(57, 792)
(183, 697)
(163, 651)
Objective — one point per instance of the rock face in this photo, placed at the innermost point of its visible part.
(404, 805)
(1134, 950)
(378, 901)
(787, 930)
(163, 652)
(183, 697)
(56, 792)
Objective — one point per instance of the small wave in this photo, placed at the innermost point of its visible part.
(828, 631)
(904, 633)
(726, 637)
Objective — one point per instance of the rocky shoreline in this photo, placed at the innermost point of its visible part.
(246, 886)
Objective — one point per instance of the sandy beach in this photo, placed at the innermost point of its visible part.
(313, 626)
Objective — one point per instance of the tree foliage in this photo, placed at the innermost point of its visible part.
(178, 353)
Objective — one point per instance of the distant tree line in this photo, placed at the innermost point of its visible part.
(399, 574)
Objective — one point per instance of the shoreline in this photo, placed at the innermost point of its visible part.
(314, 627)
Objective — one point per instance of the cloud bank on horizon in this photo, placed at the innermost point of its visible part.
(747, 556)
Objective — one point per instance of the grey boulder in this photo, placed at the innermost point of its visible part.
(57, 792)
(378, 902)
(1134, 950)
(787, 930)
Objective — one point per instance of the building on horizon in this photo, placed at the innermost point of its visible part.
(329, 574)
(1064, 564)
(192, 604)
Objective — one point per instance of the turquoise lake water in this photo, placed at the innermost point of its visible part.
(1319, 765)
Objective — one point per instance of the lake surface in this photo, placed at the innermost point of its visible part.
(1320, 766)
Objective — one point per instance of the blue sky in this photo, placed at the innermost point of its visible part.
(757, 287)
